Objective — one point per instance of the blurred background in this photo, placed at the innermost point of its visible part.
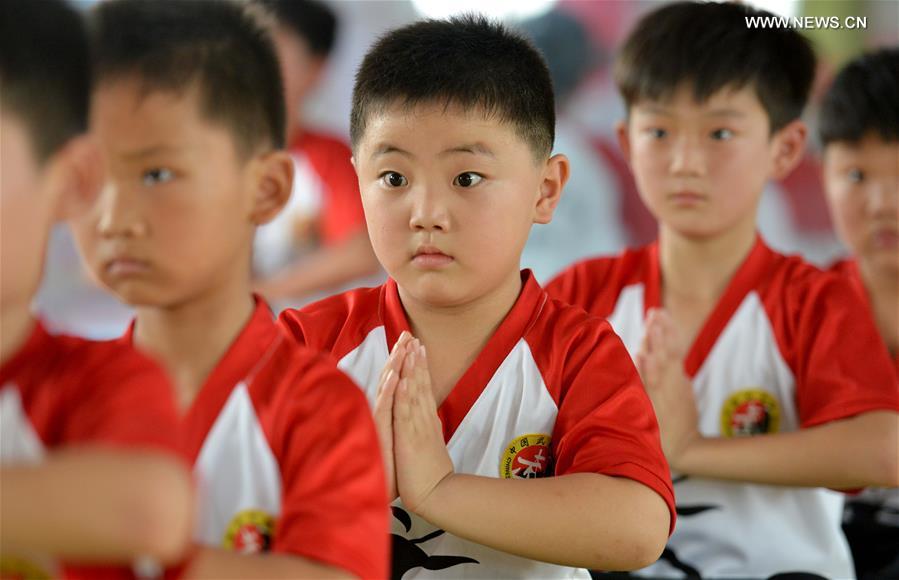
(600, 212)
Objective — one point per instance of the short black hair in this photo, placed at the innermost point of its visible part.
(467, 61)
(311, 20)
(864, 97)
(215, 45)
(711, 46)
(44, 71)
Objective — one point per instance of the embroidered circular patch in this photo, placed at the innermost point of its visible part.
(750, 412)
(527, 457)
(249, 532)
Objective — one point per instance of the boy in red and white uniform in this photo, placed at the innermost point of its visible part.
(859, 128)
(318, 243)
(524, 414)
(88, 443)
(768, 378)
(189, 112)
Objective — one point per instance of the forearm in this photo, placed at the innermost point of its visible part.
(856, 452)
(584, 520)
(325, 268)
(97, 506)
(221, 564)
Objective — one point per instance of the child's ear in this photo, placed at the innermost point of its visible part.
(273, 183)
(79, 174)
(555, 174)
(624, 140)
(788, 147)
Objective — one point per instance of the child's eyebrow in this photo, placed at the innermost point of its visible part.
(148, 152)
(477, 148)
(728, 113)
(387, 148)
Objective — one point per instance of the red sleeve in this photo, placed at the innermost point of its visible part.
(335, 507)
(122, 398)
(841, 364)
(606, 423)
(590, 285)
(342, 214)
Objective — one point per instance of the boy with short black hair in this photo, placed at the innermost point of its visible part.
(859, 128)
(762, 400)
(319, 241)
(500, 387)
(189, 112)
(88, 464)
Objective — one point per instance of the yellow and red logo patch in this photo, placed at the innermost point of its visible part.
(15, 568)
(750, 412)
(527, 457)
(250, 532)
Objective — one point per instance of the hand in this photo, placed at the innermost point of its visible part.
(422, 461)
(660, 362)
(383, 414)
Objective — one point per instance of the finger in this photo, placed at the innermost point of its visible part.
(384, 400)
(423, 378)
(394, 362)
(401, 408)
(408, 366)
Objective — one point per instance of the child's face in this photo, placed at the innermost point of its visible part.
(701, 167)
(175, 219)
(27, 205)
(449, 198)
(862, 184)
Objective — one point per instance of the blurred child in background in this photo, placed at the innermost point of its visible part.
(859, 128)
(319, 241)
(88, 466)
(768, 378)
(188, 108)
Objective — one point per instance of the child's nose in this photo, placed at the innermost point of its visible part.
(686, 157)
(429, 210)
(117, 214)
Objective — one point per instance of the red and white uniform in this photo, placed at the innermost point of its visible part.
(286, 456)
(325, 196)
(772, 357)
(62, 391)
(552, 392)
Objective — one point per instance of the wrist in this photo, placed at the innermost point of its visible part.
(689, 453)
(437, 502)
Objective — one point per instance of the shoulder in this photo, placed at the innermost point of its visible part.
(337, 324)
(566, 341)
(596, 283)
(99, 365)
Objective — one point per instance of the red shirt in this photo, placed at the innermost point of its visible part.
(552, 392)
(787, 347)
(286, 456)
(60, 391)
(849, 268)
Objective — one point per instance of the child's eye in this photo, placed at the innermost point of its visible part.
(156, 176)
(393, 179)
(656, 133)
(467, 179)
(855, 175)
(722, 134)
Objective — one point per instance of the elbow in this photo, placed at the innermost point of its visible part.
(646, 549)
(158, 520)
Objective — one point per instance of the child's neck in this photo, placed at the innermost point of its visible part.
(696, 272)
(882, 287)
(454, 336)
(16, 323)
(190, 339)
